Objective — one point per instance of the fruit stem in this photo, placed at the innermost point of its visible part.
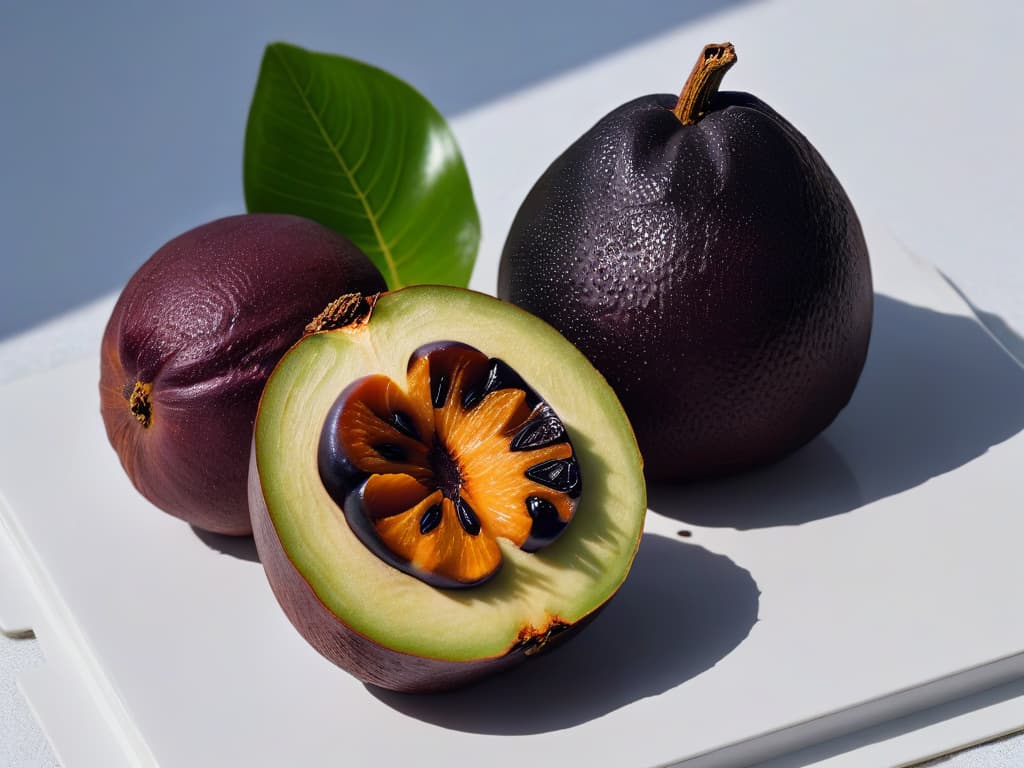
(139, 403)
(704, 81)
(349, 311)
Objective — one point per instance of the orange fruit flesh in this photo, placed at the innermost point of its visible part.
(428, 464)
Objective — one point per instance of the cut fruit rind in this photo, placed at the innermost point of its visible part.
(369, 602)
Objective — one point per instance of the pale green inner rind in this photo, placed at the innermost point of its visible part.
(565, 581)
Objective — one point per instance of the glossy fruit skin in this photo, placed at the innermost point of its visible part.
(715, 273)
(204, 321)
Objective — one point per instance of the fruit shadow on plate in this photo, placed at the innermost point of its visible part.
(936, 393)
(241, 547)
(681, 610)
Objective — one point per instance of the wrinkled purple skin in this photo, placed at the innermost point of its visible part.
(204, 321)
(716, 274)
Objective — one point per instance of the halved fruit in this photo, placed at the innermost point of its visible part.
(441, 487)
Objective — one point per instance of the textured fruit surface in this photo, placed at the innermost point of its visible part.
(191, 341)
(383, 623)
(715, 273)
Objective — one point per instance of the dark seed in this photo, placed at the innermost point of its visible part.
(403, 424)
(501, 376)
(390, 451)
(471, 397)
(493, 382)
(558, 474)
(545, 429)
(547, 525)
(439, 390)
(430, 519)
(467, 517)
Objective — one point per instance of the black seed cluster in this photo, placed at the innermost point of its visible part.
(558, 474)
(347, 482)
(542, 430)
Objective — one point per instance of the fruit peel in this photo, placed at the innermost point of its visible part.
(190, 343)
(714, 270)
(387, 627)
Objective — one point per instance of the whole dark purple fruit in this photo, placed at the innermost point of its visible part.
(703, 256)
(191, 342)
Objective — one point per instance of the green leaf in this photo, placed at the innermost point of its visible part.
(362, 152)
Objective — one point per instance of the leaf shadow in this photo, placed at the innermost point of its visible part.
(936, 393)
(681, 610)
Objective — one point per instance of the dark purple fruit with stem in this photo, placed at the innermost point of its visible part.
(702, 254)
(191, 341)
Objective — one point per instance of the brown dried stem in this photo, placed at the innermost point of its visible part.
(704, 81)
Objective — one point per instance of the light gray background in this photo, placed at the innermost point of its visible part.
(121, 123)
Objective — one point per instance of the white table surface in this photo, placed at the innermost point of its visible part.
(921, 123)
